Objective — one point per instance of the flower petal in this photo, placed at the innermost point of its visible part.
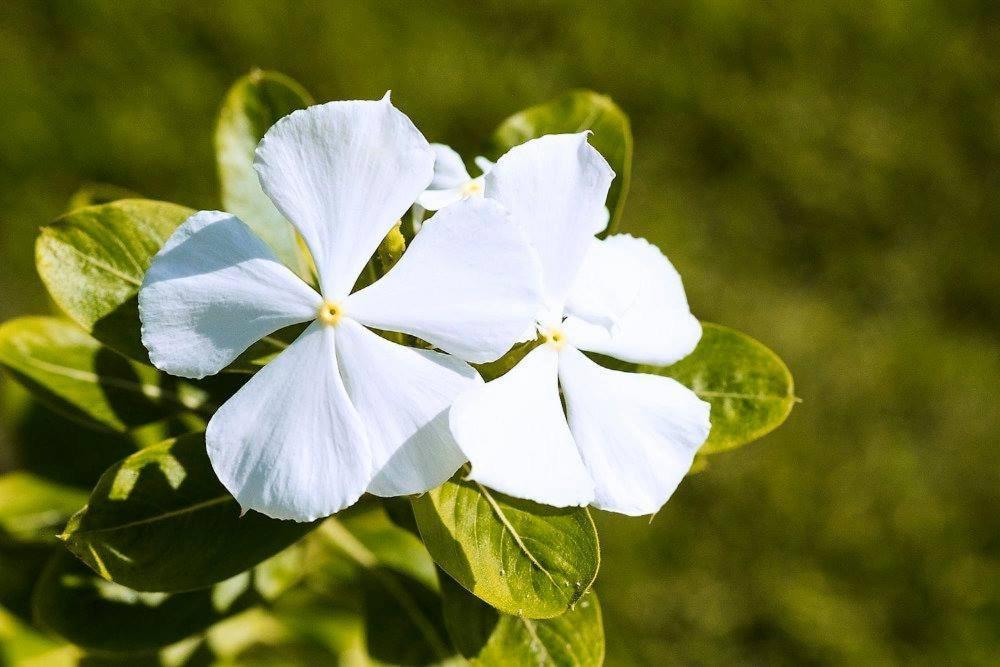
(637, 433)
(343, 173)
(554, 187)
(289, 444)
(403, 395)
(628, 302)
(449, 170)
(468, 284)
(435, 200)
(515, 435)
(212, 291)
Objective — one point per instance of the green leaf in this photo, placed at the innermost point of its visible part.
(93, 194)
(33, 509)
(92, 261)
(749, 387)
(253, 104)
(73, 374)
(573, 112)
(490, 639)
(523, 558)
(20, 567)
(161, 521)
(100, 615)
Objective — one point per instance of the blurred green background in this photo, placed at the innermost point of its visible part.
(825, 177)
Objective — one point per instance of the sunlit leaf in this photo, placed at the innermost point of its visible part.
(491, 639)
(573, 112)
(253, 104)
(750, 388)
(161, 521)
(33, 509)
(523, 558)
(72, 373)
(92, 261)
(99, 615)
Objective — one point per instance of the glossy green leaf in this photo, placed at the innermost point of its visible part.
(491, 639)
(573, 112)
(72, 373)
(252, 106)
(33, 509)
(750, 388)
(523, 558)
(100, 615)
(92, 261)
(161, 521)
(94, 194)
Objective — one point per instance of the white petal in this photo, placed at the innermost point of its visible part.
(435, 200)
(468, 284)
(289, 444)
(403, 396)
(554, 187)
(515, 435)
(213, 290)
(343, 173)
(449, 170)
(638, 433)
(602, 220)
(485, 165)
(628, 302)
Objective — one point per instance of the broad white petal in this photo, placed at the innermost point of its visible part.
(468, 284)
(514, 433)
(403, 395)
(343, 173)
(212, 291)
(289, 444)
(554, 187)
(628, 302)
(435, 200)
(602, 220)
(449, 170)
(638, 433)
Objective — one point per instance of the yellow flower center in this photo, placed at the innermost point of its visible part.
(554, 337)
(472, 188)
(330, 313)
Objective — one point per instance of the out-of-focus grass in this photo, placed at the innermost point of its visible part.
(824, 175)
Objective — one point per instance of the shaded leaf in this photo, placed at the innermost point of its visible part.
(573, 112)
(92, 261)
(161, 521)
(75, 375)
(404, 622)
(100, 615)
(750, 388)
(20, 567)
(253, 104)
(33, 509)
(491, 639)
(523, 558)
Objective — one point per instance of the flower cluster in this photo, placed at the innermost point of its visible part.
(508, 257)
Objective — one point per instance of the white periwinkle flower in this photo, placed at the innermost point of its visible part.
(342, 410)
(452, 182)
(625, 440)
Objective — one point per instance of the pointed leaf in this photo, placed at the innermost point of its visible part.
(491, 639)
(92, 261)
(523, 558)
(253, 104)
(750, 388)
(573, 112)
(73, 374)
(161, 521)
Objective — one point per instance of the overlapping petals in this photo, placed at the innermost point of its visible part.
(342, 410)
(452, 182)
(625, 440)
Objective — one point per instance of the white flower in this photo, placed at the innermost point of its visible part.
(625, 440)
(452, 182)
(342, 410)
